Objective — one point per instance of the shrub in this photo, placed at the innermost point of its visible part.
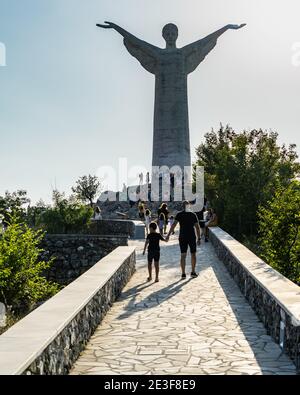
(66, 216)
(279, 231)
(242, 171)
(21, 280)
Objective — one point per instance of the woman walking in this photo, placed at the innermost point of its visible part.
(164, 210)
(147, 220)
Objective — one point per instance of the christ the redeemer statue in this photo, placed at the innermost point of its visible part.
(171, 66)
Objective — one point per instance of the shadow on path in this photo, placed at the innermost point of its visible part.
(267, 353)
(151, 300)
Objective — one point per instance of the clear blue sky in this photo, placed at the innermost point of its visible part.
(72, 99)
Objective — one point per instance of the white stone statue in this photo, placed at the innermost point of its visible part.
(171, 66)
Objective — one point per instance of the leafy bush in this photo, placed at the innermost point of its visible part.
(242, 172)
(33, 213)
(13, 203)
(279, 231)
(87, 188)
(66, 216)
(21, 280)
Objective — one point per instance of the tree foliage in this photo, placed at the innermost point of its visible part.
(34, 213)
(21, 280)
(67, 215)
(87, 188)
(13, 203)
(242, 172)
(279, 231)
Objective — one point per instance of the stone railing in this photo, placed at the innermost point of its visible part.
(129, 228)
(49, 340)
(75, 254)
(274, 298)
(112, 227)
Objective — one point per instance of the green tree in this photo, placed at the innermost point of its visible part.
(21, 280)
(242, 172)
(13, 203)
(279, 231)
(67, 215)
(87, 188)
(33, 213)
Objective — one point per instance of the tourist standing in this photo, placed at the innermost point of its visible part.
(200, 216)
(141, 209)
(164, 210)
(147, 220)
(161, 223)
(188, 222)
(97, 214)
(211, 221)
(141, 177)
(148, 178)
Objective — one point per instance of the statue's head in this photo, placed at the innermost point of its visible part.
(170, 34)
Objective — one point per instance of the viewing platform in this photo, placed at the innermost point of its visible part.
(239, 316)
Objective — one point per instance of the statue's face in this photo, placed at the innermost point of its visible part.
(170, 34)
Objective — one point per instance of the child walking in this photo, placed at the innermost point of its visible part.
(171, 222)
(152, 242)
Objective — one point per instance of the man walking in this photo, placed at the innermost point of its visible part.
(188, 222)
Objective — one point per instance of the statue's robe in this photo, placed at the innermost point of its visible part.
(171, 139)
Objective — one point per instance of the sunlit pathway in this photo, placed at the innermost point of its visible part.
(200, 326)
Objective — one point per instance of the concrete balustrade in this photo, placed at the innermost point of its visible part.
(129, 228)
(50, 339)
(274, 298)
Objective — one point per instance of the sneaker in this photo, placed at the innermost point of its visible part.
(183, 276)
(206, 240)
(194, 275)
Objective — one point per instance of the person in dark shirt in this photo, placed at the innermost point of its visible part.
(141, 209)
(164, 210)
(200, 216)
(152, 242)
(211, 221)
(188, 222)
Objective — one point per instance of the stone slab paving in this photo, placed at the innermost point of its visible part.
(195, 326)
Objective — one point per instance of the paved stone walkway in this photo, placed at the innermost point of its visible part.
(200, 326)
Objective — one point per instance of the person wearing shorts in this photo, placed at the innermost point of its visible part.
(211, 221)
(188, 222)
(152, 242)
(200, 216)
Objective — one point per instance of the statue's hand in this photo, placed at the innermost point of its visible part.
(108, 25)
(236, 27)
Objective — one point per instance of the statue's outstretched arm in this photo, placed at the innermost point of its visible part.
(119, 29)
(144, 52)
(151, 49)
(196, 52)
(218, 33)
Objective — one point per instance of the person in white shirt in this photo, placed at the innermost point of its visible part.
(147, 220)
(98, 215)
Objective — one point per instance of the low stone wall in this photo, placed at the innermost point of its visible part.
(132, 229)
(112, 227)
(75, 254)
(274, 298)
(49, 340)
